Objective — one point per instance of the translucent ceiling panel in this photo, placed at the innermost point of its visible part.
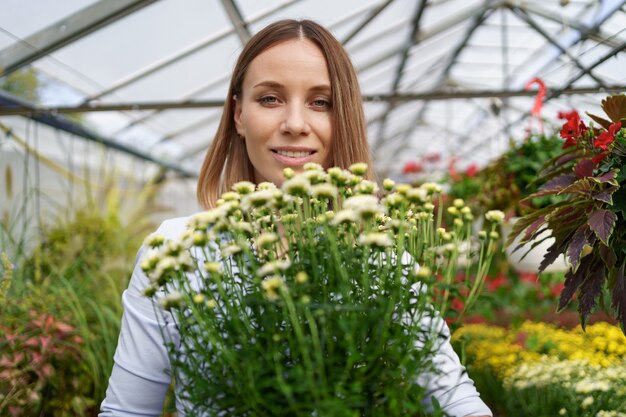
(183, 76)
(143, 38)
(21, 18)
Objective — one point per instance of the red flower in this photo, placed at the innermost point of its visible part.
(412, 168)
(572, 129)
(472, 170)
(567, 114)
(529, 277)
(599, 157)
(496, 282)
(606, 138)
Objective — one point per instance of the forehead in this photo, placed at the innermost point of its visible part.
(292, 58)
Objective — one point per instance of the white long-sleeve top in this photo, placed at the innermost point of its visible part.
(141, 372)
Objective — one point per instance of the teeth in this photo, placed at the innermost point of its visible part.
(290, 154)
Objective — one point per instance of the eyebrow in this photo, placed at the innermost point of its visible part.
(275, 84)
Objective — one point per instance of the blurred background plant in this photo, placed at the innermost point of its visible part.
(62, 301)
(542, 370)
(505, 182)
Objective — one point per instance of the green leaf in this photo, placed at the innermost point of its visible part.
(602, 223)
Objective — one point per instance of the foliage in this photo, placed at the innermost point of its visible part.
(589, 226)
(298, 310)
(22, 83)
(541, 370)
(60, 322)
(504, 183)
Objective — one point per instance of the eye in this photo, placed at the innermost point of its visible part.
(321, 103)
(268, 100)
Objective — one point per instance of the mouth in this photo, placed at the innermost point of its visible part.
(293, 156)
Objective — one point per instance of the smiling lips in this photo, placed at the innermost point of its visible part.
(292, 156)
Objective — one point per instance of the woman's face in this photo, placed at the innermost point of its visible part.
(284, 110)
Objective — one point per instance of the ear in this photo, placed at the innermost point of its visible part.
(237, 116)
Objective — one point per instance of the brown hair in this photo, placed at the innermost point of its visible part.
(227, 162)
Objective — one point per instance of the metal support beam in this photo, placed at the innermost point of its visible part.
(239, 24)
(526, 18)
(67, 125)
(190, 50)
(366, 22)
(398, 98)
(419, 11)
(480, 15)
(65, 31)
(593, 33)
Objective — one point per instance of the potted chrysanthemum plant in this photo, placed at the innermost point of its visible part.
(589, 225)
(316, 299)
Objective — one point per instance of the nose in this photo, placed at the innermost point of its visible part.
(295, 122)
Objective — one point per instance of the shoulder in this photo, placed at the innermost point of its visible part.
(173, 228)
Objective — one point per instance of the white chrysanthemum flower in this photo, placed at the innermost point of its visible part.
(302, 277)
(345, 216)
(431, 188)
(366, 187)
(150, 260)
(357, 202)
(199, 298)
(324, 190)
(297, 186)
(213, 267)
(388, 184)
(312, 166)
(243, 227)
(366, 206)
(171, 300)
(257, 199)
(359, 168)
(458, 202)
(393, 200)
(417, 195)
(244, 187)
(231, 196)
(154, 240)
(495, 216)
(273, 267)
(266, 185)
(272, 286)
(211, 304)
(453, 211)
(201, 221)
(266, 240)
(288, 173)
(587, 402)
(381, 240)
(315, 176)
(339, 176)
(230, 250)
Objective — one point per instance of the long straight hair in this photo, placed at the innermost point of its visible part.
(227, 162)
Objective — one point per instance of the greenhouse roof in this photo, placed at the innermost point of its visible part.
(448, 78)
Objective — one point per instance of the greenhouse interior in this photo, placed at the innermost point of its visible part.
(488, 226)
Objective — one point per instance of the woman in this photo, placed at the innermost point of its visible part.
(293, 98)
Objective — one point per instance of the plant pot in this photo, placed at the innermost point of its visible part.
(526, 259)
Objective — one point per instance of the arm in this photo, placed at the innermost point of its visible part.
(141, 372)
(140, 376)
(451, 385)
